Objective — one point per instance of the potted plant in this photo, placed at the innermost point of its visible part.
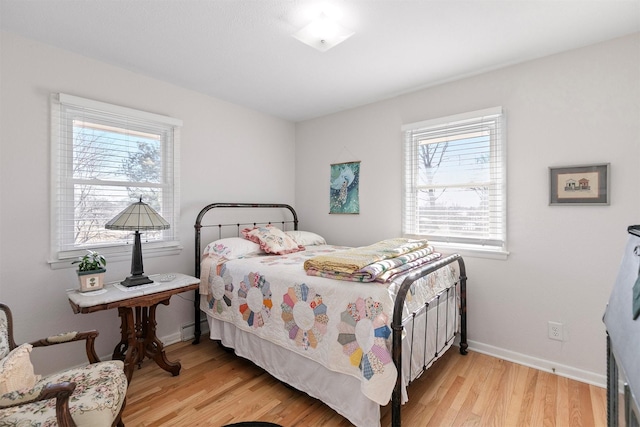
(91, 269)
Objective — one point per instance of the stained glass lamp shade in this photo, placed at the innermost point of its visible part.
(137, 217)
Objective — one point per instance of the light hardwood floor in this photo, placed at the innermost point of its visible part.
(216, 387)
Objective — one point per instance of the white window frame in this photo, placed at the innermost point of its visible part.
(63, 109)
(493, 245)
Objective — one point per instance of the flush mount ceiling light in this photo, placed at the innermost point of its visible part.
(323, 33)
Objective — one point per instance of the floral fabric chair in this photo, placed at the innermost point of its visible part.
(93, 395)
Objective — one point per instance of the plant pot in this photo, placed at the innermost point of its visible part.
(91, 280)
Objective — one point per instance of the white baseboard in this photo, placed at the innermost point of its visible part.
(187, 332)
(174, 338)
(541, 364)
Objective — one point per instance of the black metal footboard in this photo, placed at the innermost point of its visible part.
(397, 324)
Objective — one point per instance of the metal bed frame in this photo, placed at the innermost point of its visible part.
(397, 322)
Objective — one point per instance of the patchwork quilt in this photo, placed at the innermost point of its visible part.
(343, 325)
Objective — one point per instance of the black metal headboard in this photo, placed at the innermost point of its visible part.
(199, 225)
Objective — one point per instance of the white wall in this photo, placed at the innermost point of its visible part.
(574, 108)
(222, 147)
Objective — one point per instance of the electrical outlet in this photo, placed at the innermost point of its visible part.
(556, 331)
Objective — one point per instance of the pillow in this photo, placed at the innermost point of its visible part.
(16, 370)
(306, 238)
(232, 247)
(272, 240)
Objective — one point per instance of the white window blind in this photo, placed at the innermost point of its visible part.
(454, 180)
(105, 157)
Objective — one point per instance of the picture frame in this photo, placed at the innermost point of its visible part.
(583, 185)
(344, 192)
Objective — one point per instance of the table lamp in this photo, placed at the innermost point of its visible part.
(137, 217)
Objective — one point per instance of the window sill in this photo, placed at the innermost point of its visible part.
(470, 250)
(121, 253)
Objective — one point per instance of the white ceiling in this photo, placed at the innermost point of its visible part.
(242, 51)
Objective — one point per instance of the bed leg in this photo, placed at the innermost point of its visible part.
(196, 332)
(463, 307)
(196, 299)
(396, 395)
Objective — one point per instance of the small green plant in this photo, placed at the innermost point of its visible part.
(91, 261)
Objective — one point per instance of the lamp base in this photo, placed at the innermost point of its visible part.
(136, 280)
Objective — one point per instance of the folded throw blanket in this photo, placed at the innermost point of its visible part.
(385, 270)
(353, 260)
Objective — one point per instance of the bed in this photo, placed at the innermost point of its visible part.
(353, 341)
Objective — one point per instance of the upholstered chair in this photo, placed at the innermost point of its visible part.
(92, 395)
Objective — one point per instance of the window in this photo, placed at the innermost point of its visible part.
(105, 157)
(454, 181)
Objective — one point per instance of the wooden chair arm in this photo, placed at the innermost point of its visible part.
(88, 336)
(60, 391)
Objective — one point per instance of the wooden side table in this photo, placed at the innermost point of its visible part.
(137, 310)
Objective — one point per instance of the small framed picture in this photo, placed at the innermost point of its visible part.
(579, 185)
